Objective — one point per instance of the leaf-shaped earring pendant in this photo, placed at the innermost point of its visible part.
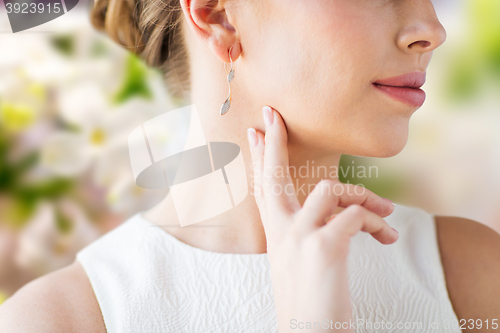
(225, 107)
(230, 76)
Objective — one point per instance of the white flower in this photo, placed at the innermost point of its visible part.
(65, 154)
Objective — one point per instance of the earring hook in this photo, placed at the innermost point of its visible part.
(230, 76)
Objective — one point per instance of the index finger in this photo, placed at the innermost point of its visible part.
(277, 184)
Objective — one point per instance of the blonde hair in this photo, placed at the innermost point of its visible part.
(151, 29)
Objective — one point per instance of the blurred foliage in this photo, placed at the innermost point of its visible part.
(98, 49)
(463, 80)
(19, 193)
(20, 111)
(64, 224)
(478, 55)
(64, 44)
(16, 117)
(23, 194)
(135, 82)
(62, 154)
(23, 107)
(485, 19)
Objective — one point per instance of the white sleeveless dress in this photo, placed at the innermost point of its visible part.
(146, 280)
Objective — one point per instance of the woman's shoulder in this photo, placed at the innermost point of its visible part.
(68, 300)
(62, 301)
(470, 253)
(65, 300)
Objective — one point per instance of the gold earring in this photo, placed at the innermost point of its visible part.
(230, 76)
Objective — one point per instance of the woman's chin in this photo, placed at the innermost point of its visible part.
(389, 153)
(390, 149)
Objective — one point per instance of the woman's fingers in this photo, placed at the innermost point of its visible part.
(356, 218)
(273, 187)
(328, 194)
(276, 182)
(274, 227)
(354, 194)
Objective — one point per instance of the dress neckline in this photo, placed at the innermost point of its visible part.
(175, 240)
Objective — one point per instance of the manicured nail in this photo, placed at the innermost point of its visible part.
(396, 231)
(252, 137)
(268, 115)
(389, 201)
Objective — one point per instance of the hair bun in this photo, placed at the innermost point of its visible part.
(151, 29)
(118, 20)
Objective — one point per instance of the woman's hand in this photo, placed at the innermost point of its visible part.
(307, 249)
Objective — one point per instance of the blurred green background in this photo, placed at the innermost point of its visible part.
(69, 97)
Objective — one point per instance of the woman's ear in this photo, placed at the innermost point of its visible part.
(209, 21)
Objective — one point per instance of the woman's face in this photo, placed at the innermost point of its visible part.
(315, 61)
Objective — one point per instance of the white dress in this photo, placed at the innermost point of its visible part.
(146, 280)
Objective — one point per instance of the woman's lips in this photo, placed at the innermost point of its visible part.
(404, 88)
(411, 96)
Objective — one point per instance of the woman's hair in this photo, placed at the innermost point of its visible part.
(151, 29)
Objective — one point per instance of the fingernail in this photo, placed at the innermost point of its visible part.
(389, 201)
(396, 231)
(268, 115)
(252, 137)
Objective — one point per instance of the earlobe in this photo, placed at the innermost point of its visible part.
(208, 20)
(221, 50)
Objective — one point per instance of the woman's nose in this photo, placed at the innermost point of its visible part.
(424, 33)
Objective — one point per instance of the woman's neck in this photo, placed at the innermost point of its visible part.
(239, 230)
